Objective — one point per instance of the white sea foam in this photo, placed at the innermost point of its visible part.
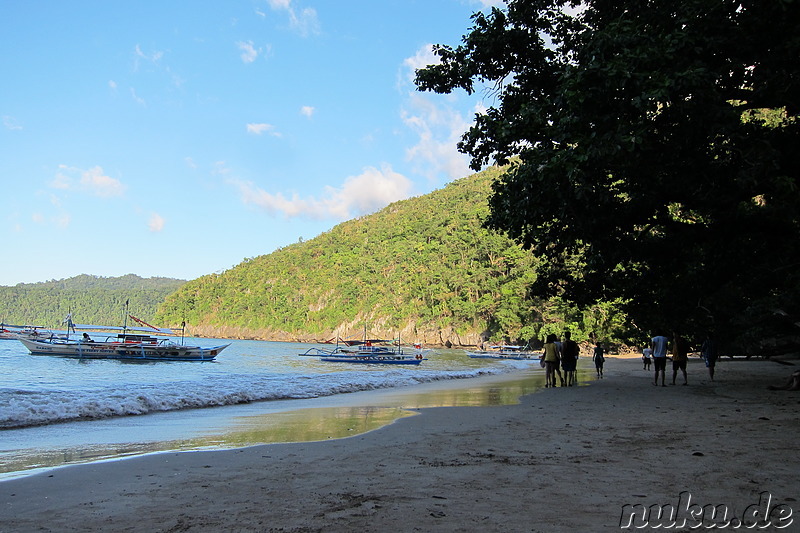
(49, 390)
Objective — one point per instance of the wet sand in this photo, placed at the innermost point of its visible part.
(561, 460)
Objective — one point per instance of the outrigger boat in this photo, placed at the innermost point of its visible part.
(505, 351)
(138, 346)
(368, 353)
(12, 332)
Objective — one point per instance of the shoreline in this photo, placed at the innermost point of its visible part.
(560, 459)
(249, 424)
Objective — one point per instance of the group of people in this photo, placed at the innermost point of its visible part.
(680, 348)
(563, 355)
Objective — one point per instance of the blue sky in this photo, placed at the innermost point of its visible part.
(178, 138)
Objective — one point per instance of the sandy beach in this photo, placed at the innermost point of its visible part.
(565, 459)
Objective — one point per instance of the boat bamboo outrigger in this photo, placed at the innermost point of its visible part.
(146, 343)
(370, 351)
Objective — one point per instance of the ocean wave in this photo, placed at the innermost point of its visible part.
(23, 408)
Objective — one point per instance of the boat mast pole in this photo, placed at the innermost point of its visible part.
(125, 322)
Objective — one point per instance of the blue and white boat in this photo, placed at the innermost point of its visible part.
(368, 352)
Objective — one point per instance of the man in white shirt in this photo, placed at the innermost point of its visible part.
(659, 345)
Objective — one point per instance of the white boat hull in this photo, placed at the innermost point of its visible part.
(504, 355)
(122, 350)
(376, 355)
(387, 359)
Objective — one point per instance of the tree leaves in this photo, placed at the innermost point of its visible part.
(640, 161)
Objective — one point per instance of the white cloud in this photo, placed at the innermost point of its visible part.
(436, 121)
(259, 128)
(11, 123)
(156, 223)
(155, 57)
(439, 129)
(421, 59)
(112, 84)
(101, 185)
(139, 55)
(136, 98)
(305, 21)
(63, 220)
(307, 111)
(249, 53)
(365, 193)
(93, 181)
(62, 179)
(220, 169)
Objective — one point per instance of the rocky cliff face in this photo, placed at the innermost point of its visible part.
(409, 334)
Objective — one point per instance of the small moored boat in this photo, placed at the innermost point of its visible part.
(367, 352)
(127, 347)
(134, 344)
(505, 351)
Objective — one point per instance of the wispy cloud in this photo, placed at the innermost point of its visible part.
(11, 123)
(137, 98)
(303, 21)
(139, 57)
(249, 52)
(93, 181)
(261, 128)
(435, 121)
(153, 57)
(63, 220)
(307, 111)
(96, 181)
(156, 223)
(365, 193)
(439, 129)
(421, 59)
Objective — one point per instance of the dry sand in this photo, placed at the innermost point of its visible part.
(565, 459)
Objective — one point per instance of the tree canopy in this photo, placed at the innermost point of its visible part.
(654, 149)
(90, 299)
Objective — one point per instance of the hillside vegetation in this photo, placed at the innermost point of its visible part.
(91, 299)
(424, 268)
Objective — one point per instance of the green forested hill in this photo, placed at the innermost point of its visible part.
(91, 299)
(423, 267)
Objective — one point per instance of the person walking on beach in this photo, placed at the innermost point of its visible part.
(569, 358)
(551, 356)
(599, 359)
(680, 354)
(646, 354)
(709, 354)
(659, 345)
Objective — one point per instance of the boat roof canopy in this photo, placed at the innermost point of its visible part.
(90, 327)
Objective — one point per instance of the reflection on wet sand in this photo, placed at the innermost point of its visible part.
(357, 414)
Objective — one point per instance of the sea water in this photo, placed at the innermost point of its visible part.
(56, 411)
